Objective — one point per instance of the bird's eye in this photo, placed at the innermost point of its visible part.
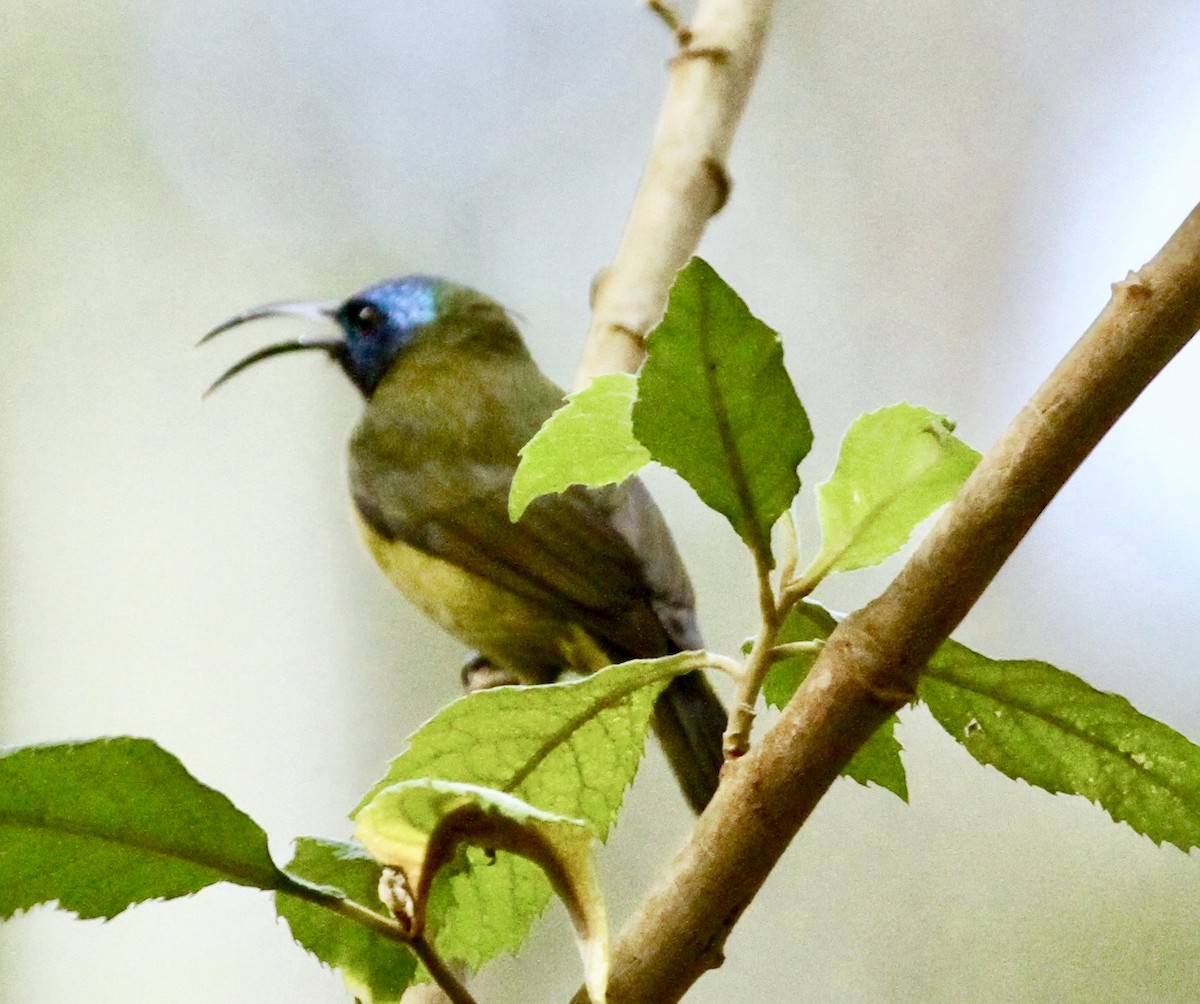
(367, 318)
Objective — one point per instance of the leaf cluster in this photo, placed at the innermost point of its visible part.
(495, 804)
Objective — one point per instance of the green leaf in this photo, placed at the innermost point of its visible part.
(896, 466)
(417, 826)
(716, 404)
(806, 621)
(588, 441)
(104, 824)
(568, 748)
(878, 760)
(1039, 724)
(376, 968)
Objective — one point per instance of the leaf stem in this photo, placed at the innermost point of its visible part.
(336, 902)
(711, 660)
(792, 591)
(758, 662)
(442, 975)
(386, 927)
(790, 648)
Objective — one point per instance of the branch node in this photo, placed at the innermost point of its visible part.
(598, 281)
(721, 182)
(889, 685)
(711, 957)
(396, 894)
(1132, 287)
(717, 54)
(892, 694)
(636, 337)
(736, 742)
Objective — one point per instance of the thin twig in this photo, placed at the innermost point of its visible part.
(685, 181)
(671, 17)
(712, 660)
(874, 656)
(387, 927)
(765, 651)
(758, 662)
(447, 982)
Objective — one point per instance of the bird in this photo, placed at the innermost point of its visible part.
(584, 579)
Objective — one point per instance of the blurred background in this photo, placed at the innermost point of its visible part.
(930, 201)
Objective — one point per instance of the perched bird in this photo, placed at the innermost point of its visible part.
(584, 579)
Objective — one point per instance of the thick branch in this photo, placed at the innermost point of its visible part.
(872, 660)
(685, 181)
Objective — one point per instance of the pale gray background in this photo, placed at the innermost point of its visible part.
(930, 201)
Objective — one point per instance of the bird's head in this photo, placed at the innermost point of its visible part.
(380, 323)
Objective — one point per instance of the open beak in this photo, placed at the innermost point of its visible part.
(321, 310)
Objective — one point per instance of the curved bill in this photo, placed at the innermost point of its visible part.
(313, 310)
(333, 346)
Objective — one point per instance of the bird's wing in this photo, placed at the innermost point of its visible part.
(576, 554)
(637, 519)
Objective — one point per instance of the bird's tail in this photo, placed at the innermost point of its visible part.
(690, 722)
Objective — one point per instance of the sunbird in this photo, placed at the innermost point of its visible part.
(584, 579)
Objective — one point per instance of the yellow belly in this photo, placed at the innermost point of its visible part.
(514, 633)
